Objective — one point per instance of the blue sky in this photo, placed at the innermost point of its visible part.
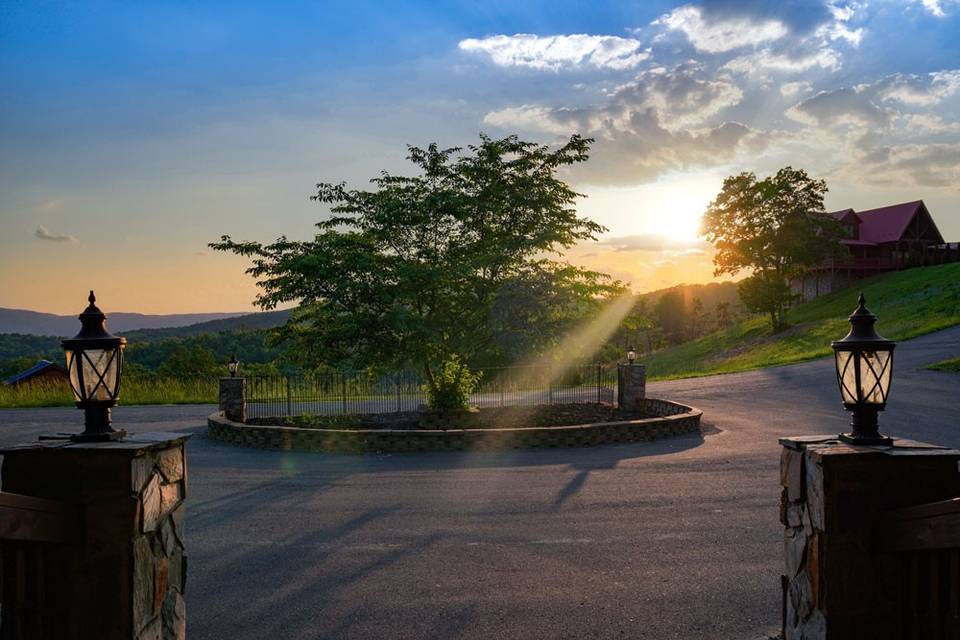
(134, 133)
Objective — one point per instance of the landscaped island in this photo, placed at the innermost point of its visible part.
(486, 429)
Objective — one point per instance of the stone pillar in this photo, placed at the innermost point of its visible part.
(123, 577)
(837, 584)
(233, 402)
(632, 380)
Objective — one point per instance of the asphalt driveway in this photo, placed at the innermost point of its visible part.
(672, 539)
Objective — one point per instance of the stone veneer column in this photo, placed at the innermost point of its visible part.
(233, 402)
(124, 578)
(633, 378)
(836, 584)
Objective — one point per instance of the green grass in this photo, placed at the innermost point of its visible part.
(908, 303)
(148, 390)
(953, 366)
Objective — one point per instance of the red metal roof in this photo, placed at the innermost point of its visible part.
(887, 224)
(840, 215)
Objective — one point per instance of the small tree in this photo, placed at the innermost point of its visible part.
(721, 313)
(452, 386)
(775, 227)
(765, 293)
(695, 322)
(671, 313)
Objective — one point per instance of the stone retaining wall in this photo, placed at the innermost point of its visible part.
(675, 419)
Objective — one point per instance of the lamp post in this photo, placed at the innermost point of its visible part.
(94, 362)
(631, 354)
(233, 365)
(864, 361)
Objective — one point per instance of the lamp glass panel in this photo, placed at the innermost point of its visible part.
(847, 375)
(74, 375)
(875, 369)
(100, 373)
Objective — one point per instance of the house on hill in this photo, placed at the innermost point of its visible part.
(888, 238)
(43, 371)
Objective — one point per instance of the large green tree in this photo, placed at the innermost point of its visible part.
(452, 261)
(775, 227)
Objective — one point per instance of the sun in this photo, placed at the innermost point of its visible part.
(670, 208)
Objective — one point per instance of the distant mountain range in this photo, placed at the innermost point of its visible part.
(47, 324)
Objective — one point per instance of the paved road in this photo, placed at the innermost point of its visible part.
(673, 539)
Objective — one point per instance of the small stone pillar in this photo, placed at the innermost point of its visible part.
(233, 403)
(837, 583)
(632, 386)
(123, 577)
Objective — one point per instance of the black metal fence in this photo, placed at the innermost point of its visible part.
(344, 393)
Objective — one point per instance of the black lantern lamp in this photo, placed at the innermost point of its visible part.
(631, 354)
(864, 362)
(233, 365)
(94, 362)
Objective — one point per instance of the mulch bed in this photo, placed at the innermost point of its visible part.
(488, 418)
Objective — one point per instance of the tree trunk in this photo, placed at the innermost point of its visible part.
(428, 373)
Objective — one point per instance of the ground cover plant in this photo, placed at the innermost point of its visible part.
(909, 303)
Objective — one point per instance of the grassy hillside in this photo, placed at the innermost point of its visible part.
(909, 303)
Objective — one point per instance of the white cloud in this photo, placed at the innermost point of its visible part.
(849, 106)
(684, 95)
(791, 89)
(558, 52)
(934, 7)
(838, 30)
(655, 242)
(840, 13)
(678, 98)
(920, 90)
(529, 117)
(662, 120)
(766, 60)
(928, 123)
(932, 165)
(716, 35)
(50, 205)
(45, 234)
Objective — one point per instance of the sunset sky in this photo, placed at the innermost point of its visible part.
(132, 134)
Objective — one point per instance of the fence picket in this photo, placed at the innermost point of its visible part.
(352, 392)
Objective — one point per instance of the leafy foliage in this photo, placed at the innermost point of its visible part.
(671, 312)
(448, 261)
(452, 385)
(764, 292)
(775, 227)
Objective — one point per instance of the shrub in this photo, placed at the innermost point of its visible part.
(452, 386)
